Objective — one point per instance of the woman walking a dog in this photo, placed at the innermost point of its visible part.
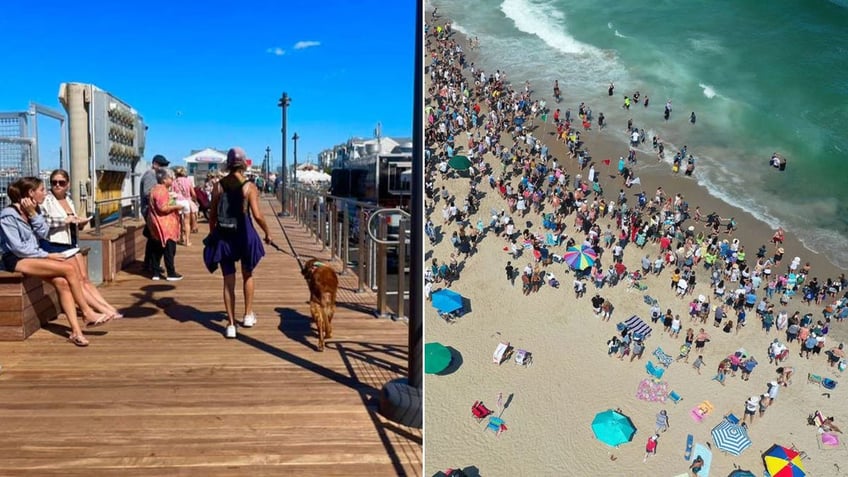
(233, 238)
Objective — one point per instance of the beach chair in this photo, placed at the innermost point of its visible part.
(675, 397)
(814, 379)
(815, 419)
(496, 425)
(523, 358)
(654, 371)
(731, 418)
(551, 240)
(662, 357)
(501, 353)
(828, 383)
(480, 411)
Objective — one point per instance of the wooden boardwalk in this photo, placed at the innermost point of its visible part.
(163, 393)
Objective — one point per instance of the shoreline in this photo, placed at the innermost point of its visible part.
(549, 406)
(825, 237)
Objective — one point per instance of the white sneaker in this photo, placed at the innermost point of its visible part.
(231, 331)
(249, 321)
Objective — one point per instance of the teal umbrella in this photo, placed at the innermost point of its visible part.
(437, 357)
(460, 163)
(613, 428)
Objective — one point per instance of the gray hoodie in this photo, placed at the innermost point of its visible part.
(19, 237)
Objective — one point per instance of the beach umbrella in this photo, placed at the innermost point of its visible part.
(731, 438)
(783, 462)
(460, 163)
(580, 259)
(613, 428)
(437, 357)
(741, 473)
(446, 301)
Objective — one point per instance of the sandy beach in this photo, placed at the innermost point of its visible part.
(548, 407)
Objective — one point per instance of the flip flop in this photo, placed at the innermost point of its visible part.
(78, 340)
(100, 321)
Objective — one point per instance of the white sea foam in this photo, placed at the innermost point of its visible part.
(547, 23)
(620, 35)
(709, 92)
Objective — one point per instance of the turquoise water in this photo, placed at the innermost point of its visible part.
(761, 77)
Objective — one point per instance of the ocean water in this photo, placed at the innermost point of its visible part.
(762, 77)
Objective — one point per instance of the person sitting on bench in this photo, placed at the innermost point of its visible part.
(21, 223)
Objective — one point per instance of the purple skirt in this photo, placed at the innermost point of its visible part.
(243, 245)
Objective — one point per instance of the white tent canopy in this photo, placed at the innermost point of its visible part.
(207, 155)
(312, 176)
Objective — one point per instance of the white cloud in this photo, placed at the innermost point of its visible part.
(276, 51)
(306, 44)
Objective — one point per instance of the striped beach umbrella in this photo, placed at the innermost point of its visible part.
(731, 438)
(783, 462)
(579, 259)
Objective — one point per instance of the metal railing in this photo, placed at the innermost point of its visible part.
(133, 212)
(346, 227)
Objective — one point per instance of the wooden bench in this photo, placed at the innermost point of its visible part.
(26, 303)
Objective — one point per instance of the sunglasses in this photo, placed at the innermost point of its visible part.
(59, 183)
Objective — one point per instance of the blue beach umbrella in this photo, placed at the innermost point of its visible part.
(731, 438)
(613, 428)
(446, 301)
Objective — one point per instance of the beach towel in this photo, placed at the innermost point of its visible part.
(637, 326)
(701, 450)
(649, 390)
(687, 454)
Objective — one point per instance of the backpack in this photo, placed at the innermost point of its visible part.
(228, 211)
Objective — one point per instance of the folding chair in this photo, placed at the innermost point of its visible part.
(731, 418)
(480, 411)
(814, 379)
(662, 357)
(496, 425)
(501, 353)
(523, 357)
(654, 371)
(674, 397)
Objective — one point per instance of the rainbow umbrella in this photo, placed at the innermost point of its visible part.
(783, 462)
(580, 259)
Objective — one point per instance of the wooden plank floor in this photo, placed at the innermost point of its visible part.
(163, 393)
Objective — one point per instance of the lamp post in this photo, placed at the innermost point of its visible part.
(294, 175)
(284, 103)
(267, 166)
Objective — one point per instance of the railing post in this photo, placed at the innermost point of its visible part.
(345, 238)
(321, 218)
(401, 271)
(363, 255)
(381, 269)
(332, 218)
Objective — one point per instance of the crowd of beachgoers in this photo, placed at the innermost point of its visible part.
(530, 183)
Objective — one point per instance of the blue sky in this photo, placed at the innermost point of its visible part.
(209, 74)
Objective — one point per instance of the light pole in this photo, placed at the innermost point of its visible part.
(284, 103)
(294, 176)
(267, 165)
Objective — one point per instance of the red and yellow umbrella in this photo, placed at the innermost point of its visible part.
(783, 462)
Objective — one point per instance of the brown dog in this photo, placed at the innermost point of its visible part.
(323, 284)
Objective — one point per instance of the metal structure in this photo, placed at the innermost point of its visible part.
(107, 140)
(19, 145)
(284, 103)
